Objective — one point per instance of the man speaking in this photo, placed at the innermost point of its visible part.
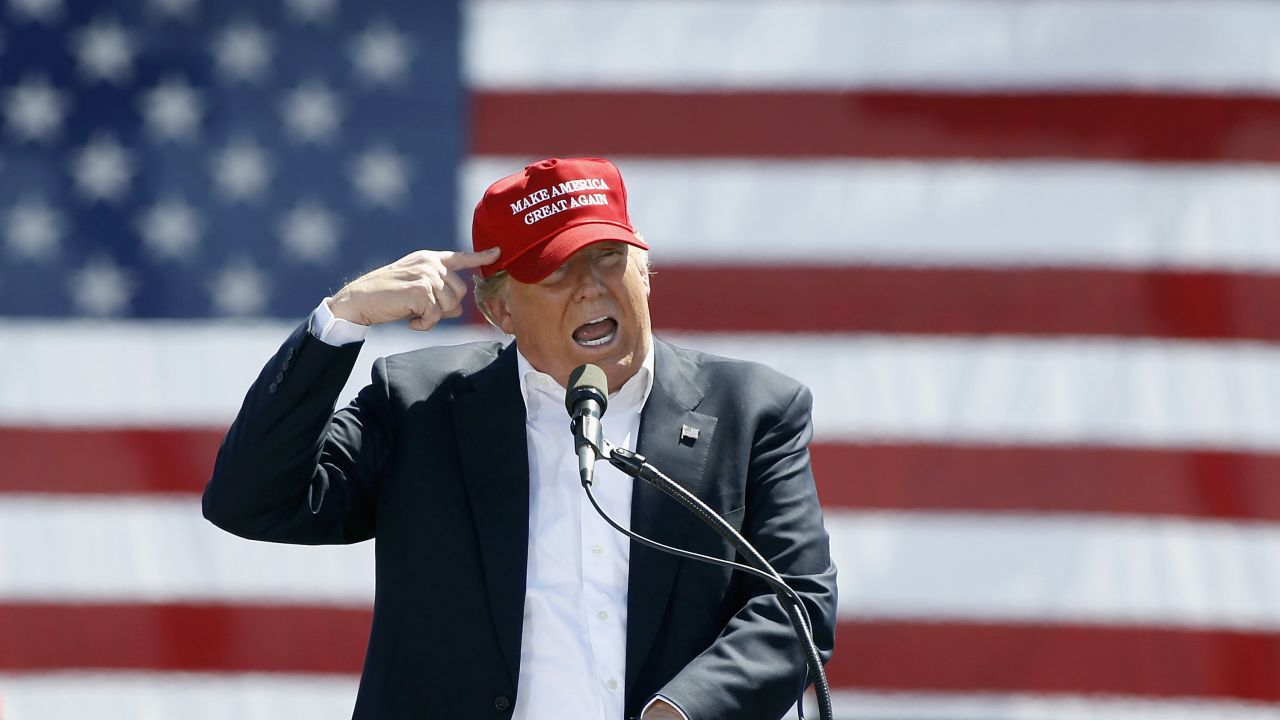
(500, 592)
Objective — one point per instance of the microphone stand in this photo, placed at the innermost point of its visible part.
(634, 465)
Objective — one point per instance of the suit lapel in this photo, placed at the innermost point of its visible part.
(669, 409)
(490, 432)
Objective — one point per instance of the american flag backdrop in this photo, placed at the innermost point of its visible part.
(1026, 254)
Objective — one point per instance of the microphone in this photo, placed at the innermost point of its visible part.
(586, 400)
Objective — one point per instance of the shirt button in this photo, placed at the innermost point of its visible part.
(602, 615)
(501, 702)
(597, 550)
(612, 684)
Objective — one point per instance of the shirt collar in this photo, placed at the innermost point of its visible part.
(631, 396)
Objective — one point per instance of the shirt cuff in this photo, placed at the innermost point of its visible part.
(668, 701)
(332, 330)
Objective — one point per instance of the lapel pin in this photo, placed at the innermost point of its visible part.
(688, 435)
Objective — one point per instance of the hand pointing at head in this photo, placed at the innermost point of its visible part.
(422, 287)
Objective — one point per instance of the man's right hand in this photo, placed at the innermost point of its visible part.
(423, 287)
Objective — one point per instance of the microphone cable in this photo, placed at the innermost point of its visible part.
(586, 400)
(796, 612)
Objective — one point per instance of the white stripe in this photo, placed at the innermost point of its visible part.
(148, 373)
(149, 549)
(940, 213)
(910, 388)
(850, 705)
(830, 44)
(199, 696)
(1019, 391)
(164, 696)
(1113, 570)
(1056, 569)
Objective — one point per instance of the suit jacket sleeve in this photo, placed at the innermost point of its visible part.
(289, 468)
(755, 668)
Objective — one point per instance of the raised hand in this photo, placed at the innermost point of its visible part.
(423, 287)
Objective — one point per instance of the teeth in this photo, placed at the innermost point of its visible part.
(594, 343)
(599, 319)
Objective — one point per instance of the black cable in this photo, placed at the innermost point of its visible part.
(803, 627)
(634, 465)
(773, 582)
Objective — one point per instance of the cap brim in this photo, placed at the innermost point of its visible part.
(536, 263)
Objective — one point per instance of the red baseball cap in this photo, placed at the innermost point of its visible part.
(554, 208)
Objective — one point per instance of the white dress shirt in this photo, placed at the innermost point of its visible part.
(574, 640)
(574, 644)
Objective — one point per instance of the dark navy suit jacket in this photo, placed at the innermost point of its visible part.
(430, 459)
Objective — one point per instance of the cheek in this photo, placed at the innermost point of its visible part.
(541, 318)
(639, 291)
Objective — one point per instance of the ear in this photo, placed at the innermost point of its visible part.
(644, 276)
(501, 314)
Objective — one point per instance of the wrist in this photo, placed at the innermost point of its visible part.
(343, 307)
(660, 709)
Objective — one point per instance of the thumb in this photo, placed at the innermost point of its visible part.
(421, 324)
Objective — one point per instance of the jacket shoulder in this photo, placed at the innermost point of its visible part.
(430, 367)
(714, 374)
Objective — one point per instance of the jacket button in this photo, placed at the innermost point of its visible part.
(501, 702)
(272, 388)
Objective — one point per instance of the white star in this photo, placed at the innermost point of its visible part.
(312, 11)
(381, 177)
(242, 52)
(103, 169)
(176, 9)
(44, 11)
(173, 110)
(380, 54)
(311, 113)
(171, 229)
(33, 231)
(241, 171)
(105, 51)
(240, 288)
(102, 287)
(309, 232)
(34, 110)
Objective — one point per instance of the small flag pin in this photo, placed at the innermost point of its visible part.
(688, 435)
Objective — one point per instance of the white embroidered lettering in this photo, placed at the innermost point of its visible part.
(534, 199)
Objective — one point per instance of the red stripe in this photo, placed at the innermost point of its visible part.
(1185, 483)
(1138, 126)
(1196, 484)
(967, 657)
(183, 637)
(870, 655)
(957, 301)
(87, 460)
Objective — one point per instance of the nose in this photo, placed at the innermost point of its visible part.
(588, 282)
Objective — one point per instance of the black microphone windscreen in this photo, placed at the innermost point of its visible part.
(590, 381)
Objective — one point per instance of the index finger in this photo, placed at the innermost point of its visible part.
(464, 260)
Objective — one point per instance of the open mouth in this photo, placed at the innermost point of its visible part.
(596, 332)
